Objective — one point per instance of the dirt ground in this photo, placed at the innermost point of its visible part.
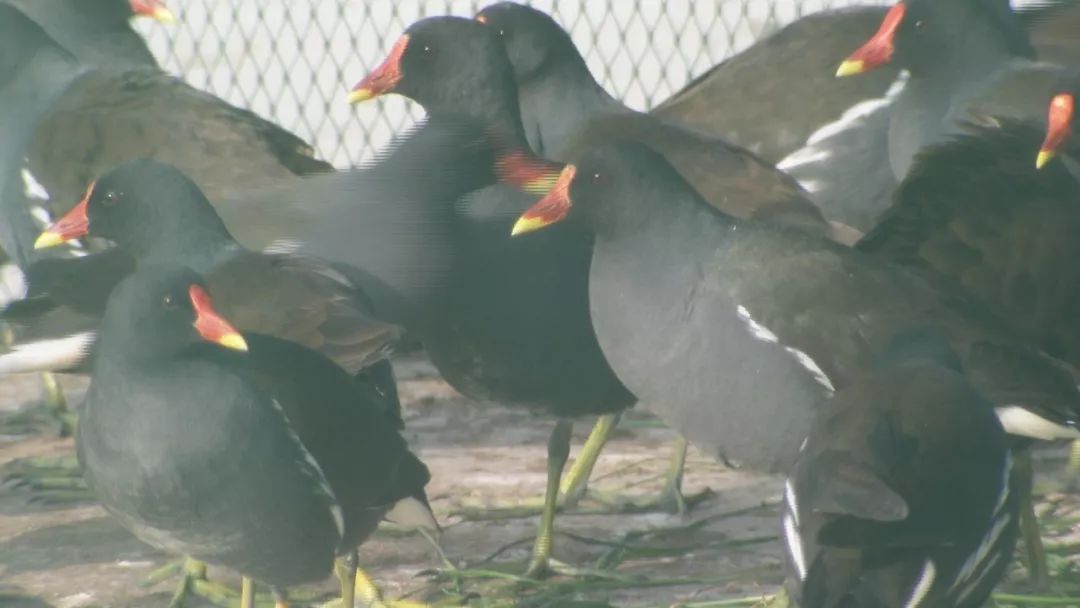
(724, 552)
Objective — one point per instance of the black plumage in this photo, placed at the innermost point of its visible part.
(904, 492)
(732, 331)
(272, 461)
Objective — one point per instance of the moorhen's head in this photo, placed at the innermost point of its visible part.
(446, 64)
(926, 35)
(532, 38)
(602, 186)
(138, 205)
(163, 311)
(153, 9)
(1061, 124)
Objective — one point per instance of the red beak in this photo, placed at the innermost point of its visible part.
(552, 208)
(209, 323)
(385, 77)
(527, 172)
(1058, 129)
(155, 9)
(73, 225)
(878, 50)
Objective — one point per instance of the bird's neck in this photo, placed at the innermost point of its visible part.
(199, 247)
(557, 101)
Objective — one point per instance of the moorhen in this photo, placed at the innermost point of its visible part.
(272, 461)
(904, 493)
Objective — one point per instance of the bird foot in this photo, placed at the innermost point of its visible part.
(669, 500)
(193, 582)
(37, 418)
(48, 481)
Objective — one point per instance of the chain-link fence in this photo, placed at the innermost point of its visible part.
(293, 61)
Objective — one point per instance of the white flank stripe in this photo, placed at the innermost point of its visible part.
(794, 546)
(316, 472)
(812, 367)
(1020, 421)
(976, 562)
(47, 355)
(764, 334)
(852, 115)
(33, 188)
(757, 330)
(922, 586)
(792, 501)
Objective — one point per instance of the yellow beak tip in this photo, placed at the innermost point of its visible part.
(1044, 157)
(850, 67)
(360, 96)
(527, 224)
(48, 239)
(164, 15)
(234, 342)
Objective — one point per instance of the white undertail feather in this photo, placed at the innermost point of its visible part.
(412, 513)
(47, 355)
(1018, 420)
(12, 284)
(922, 585)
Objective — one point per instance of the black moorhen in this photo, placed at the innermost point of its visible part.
(513, 327)
(904, 493)
(101, 117)
(750, 324)
(272, 461)
(948, 70)
(773, 96)
(155, 214)
(563, 109)
(405, 224)
(852, 166)
(98, 32)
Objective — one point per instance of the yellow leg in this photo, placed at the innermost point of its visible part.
(576, 480)
(247, 593)
(672, 495)
(346, 573)
(193, 581)
(558, 452)
(1074, 457)
(1038, 571)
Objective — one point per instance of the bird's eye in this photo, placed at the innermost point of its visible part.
(168, 302)
(919, 24)
(502, 32)
(596, 176)
(427, 48)
(111, 198)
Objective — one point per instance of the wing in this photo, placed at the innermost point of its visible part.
(978, 219)
(339, 421)
(302, 300)
(746, 101)
(106, 118)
